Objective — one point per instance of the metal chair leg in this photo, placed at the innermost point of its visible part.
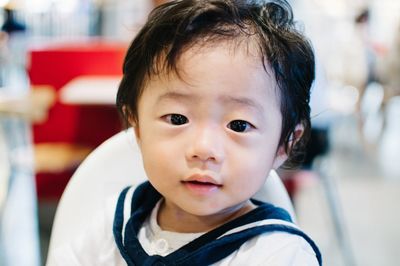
(334, 205)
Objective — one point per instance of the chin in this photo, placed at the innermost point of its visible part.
(201, 211)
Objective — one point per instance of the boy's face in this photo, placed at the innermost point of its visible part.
(210, 138)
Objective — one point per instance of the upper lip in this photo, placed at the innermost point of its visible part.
(202, 179)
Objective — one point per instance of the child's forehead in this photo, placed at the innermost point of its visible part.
(239, 51)
(213, 66)
(234, 45)
(234, 48)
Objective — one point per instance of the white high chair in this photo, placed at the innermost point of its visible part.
(112, 166)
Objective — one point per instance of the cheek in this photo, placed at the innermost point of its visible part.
(156, 172)
(253, 163)
(159, 159)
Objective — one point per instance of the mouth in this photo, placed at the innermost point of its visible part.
(201, 184)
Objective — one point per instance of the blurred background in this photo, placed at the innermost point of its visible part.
(60, 65)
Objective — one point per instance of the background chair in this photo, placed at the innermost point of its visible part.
(66, 137)
(114, 165)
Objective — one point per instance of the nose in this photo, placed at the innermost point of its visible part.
(206, 145)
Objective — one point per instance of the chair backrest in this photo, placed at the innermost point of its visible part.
(74, 123)
(112, 166)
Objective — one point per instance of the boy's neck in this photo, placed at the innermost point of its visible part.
(172, 218)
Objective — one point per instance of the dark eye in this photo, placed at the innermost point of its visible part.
(177, 119)
(239, 125)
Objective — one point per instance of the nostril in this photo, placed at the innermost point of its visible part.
(204, 157)
(204, 148)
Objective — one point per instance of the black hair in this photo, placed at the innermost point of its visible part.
(178, 25)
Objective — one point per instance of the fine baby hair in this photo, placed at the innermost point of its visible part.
(268, 26)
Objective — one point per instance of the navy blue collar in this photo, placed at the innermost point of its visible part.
(204, 250)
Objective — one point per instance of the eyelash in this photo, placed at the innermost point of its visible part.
(243, 125)
(238, 125)
(176, 119)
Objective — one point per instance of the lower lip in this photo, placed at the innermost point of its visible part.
(201, 189)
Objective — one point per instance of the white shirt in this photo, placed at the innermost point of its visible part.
(97, 246)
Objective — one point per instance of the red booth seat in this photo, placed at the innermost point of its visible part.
(81, 128)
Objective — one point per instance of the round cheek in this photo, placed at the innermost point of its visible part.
(160, 166)
(153, 164)
(252, 167)
(250, 178)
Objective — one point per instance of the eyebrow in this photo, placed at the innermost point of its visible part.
(173, 95)
(247, 102)
(243, 101)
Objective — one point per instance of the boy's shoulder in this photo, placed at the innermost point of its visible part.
(273, 248)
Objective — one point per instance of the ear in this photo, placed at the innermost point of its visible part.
(281, 155)
(298, 133)
(133, 122)
(136, 131)
(280, 158)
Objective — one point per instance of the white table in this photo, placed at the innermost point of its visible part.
(90, 90)
(13, 104)
(32, 106)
